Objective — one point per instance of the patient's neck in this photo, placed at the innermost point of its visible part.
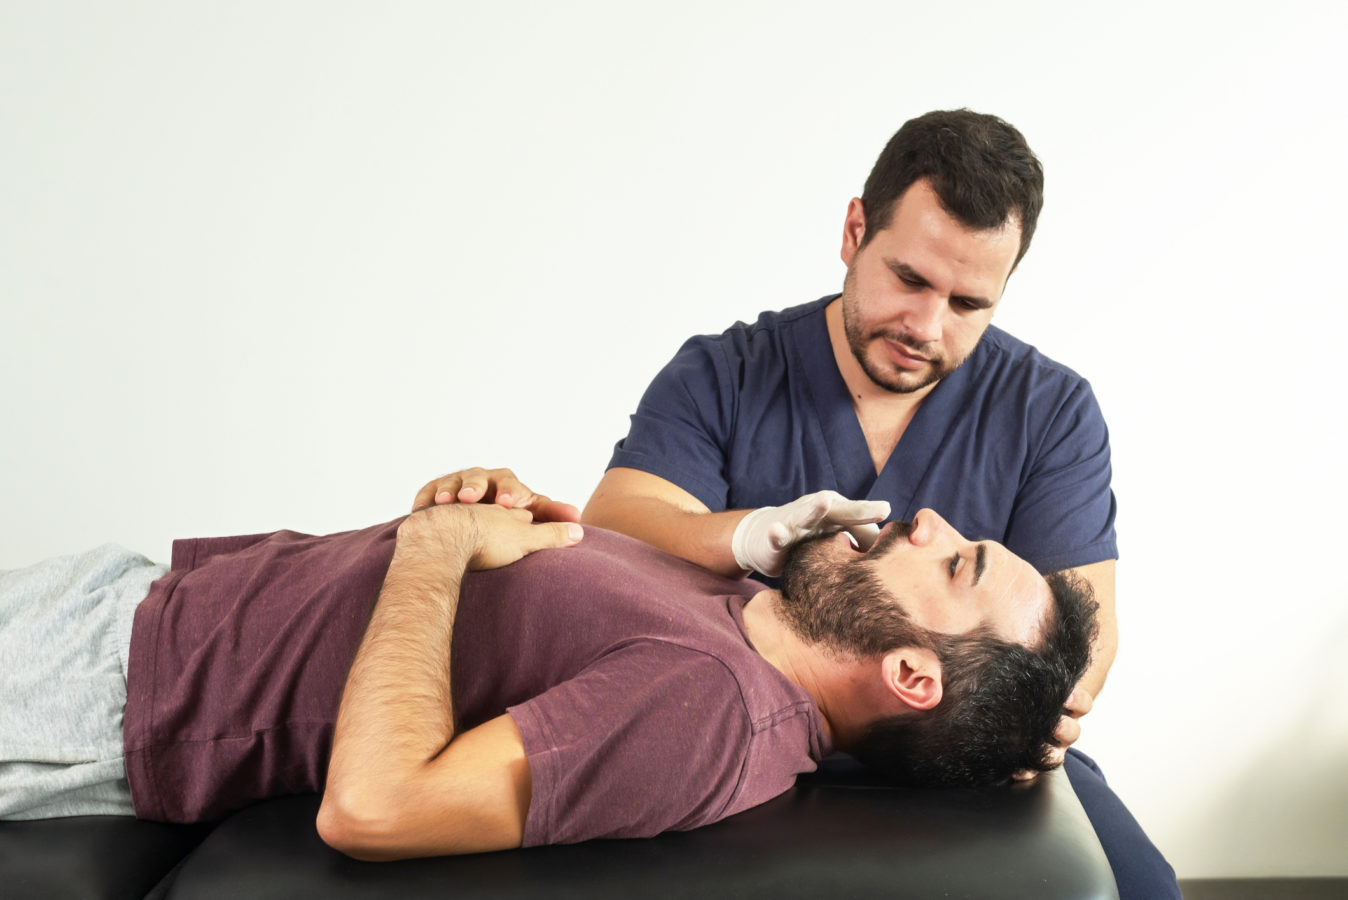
(848, 690)
(803, 663)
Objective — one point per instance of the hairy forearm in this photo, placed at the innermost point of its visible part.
(401, 782)
(396, 713)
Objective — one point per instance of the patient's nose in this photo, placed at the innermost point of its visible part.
(929, 528)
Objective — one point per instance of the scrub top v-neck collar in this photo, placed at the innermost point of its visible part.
(840, 429)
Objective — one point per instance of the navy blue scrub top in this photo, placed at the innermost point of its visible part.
(1011, 446)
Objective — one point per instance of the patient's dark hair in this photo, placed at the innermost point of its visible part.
(981, 168)
(1000, 702)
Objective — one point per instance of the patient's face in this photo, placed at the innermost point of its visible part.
(943, 582)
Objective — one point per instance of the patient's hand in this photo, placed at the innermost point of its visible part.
(478, 537)
(1079, 702)
(499, 486)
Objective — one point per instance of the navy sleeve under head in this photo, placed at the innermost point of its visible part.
(683, 424)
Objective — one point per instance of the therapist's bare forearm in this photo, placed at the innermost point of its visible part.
(1102, 654)
(700, 537)
(1101, 577)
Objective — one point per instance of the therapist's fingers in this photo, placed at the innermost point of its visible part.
(1079, 702)
(826, 511)
(864, 534)
(857, 512)
(1067, 732)
(1055, 759)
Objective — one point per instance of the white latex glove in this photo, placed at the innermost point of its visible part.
(763, 536)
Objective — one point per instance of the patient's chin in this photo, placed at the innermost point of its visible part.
(815, 550)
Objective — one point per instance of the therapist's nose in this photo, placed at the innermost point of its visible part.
(929, 528)
(922, 318)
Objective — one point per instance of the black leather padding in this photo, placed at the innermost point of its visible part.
(834, 835)
(837, 833)
(89, 857)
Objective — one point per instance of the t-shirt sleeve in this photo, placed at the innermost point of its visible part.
(1064, 512)
(682, 425)
(651, 738)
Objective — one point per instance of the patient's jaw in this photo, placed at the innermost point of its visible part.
(951, 585)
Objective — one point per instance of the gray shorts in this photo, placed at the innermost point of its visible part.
(65, 630)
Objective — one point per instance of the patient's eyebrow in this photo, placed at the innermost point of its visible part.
(980, 560)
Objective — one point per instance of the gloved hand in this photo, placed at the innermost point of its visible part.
(763, 536)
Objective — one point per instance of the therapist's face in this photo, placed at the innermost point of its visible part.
(920, 293)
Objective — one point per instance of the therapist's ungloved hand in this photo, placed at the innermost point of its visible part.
(762, 538)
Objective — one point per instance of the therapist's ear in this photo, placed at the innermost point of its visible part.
(913, 675)
(854, 230)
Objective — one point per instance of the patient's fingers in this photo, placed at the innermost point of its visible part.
(426, 496)
(474, 484)
(499, 486)
(545, 509)
(509, 535)
(447, 491)
(444, 489)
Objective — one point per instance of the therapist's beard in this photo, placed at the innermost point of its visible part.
(889, 376)
(842, 604)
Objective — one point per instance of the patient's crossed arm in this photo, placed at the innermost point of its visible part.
(400, 782)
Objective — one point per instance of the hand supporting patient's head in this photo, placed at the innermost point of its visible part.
(1000, 684)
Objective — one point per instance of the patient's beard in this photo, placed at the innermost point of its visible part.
(842, 604)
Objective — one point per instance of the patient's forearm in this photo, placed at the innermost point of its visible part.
(396, 712)
(401, 783)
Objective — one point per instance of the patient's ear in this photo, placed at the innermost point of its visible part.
(913, 674)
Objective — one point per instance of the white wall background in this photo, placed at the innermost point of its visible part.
(275, 264)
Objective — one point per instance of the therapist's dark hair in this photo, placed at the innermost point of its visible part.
(1000, 701)
(981, 168)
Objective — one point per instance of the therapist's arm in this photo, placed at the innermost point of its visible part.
(661, 513)
(733, 542)
(1101, 578)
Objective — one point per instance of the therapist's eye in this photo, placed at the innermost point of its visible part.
(954, 564)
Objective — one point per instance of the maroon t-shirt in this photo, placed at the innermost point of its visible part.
(642, 706)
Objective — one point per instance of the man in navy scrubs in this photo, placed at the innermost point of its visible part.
(900, 394)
